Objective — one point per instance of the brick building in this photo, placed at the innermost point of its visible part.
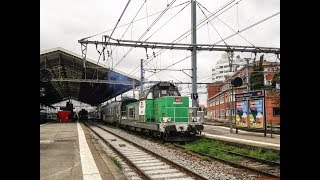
(219, 94)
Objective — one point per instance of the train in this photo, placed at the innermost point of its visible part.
(160, 112)
(83, 114)
(66, 113)
(43, 116)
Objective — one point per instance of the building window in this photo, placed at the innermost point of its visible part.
(232, 112)
(269, 82)
(221, 99)
(276, 111)
(221, 112)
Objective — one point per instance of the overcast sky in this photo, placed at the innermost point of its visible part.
(64, 22)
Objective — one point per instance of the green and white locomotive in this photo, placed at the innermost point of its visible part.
(162, 112)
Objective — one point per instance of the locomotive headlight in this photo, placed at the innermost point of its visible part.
(166, 119)
(195, 119)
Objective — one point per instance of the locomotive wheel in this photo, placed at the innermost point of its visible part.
(165, 135)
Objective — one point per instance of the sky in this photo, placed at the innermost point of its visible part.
(64, 22)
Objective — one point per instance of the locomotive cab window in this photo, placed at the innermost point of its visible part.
(173, 93)
(130, 112)
(156, 94)
(163, 92)
(150, 95)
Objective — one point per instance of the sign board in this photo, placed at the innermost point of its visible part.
(142, 107)
(177, 100)
(256, 114)
(250, 110)
(242, 114)
(247, 95)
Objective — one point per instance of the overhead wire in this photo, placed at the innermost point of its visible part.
(147, 14)
(133, 21)
(189, 31)
(162, 27)
(167, 22)
(109, 40)
(230, 36)
(173, 77)
(119, 20)
(148, 29)
(156, 74)
(103, 49)
(212, 25)
(248, 27)
(238, 15)
(228, 25)
(170, 65)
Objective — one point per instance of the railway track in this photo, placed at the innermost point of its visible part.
(257, 165)
(146, 163)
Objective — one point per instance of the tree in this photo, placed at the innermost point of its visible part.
(275, 78)
(256, 77)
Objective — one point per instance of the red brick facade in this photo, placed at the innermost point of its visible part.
(219, 95)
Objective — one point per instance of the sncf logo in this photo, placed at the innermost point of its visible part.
(178, 100)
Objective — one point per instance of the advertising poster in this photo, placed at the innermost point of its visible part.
(256, 113)
(241, 113)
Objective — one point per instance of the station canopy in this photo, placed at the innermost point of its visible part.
(65, 75)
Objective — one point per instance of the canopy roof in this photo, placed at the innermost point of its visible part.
(93, 84)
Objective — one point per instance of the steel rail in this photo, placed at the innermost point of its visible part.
(175, 165)
(233, 163)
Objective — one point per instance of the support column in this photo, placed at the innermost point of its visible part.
(141, 78)
(247, 74)
(194, 94)
(99, 110)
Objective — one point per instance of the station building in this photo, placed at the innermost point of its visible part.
(221, 103)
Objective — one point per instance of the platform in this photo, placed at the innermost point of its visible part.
(243, 137)
(67, 151)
